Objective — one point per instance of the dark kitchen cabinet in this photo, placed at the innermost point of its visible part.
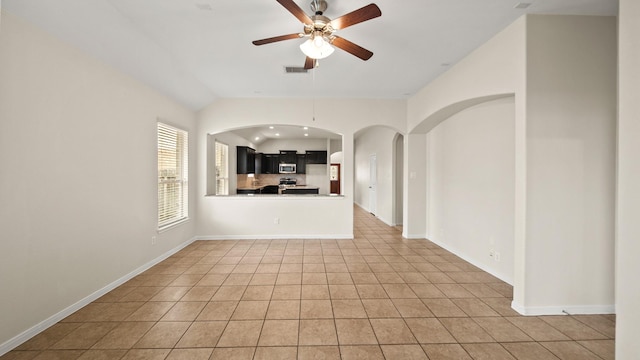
(301, 164)
(270, 189)
(270, 163)
(316, 156)
(247, 191)
(300, 191)
(288, 156)
(260, 163)
(246, 160)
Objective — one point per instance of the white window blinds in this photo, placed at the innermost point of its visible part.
(173, 178)
(222, 169)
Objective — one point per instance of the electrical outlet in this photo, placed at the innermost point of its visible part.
(497, 257)
(276, 220)
(153, 240)
(492, 253)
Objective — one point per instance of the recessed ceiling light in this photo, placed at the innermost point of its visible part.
(522, 5)
(257, 137)
(271, 127)
(277, 134)
(306, 128)
(306, 134)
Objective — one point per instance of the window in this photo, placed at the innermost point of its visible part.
(173, 179)
(222, 169)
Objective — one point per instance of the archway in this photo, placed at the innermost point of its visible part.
(381, 143)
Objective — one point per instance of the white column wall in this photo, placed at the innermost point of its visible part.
(415, 185)
(628, 207)
(571, 116)
(79, 179)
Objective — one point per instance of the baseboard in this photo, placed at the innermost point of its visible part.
(472, 262)
(45, 324)
(414, 236)
(563, 310)
(276, 237)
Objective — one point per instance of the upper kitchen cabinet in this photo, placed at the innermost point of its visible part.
(288, 156)
(316, 157)
(301, 164)
(270, 163)
(246, 160)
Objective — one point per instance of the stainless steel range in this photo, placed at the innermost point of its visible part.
(287, 182)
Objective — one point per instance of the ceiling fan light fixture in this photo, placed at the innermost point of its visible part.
(317, 47)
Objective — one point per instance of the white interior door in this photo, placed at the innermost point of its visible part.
(373, 182)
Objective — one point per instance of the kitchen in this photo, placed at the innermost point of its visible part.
(277, 160)
(282, 173)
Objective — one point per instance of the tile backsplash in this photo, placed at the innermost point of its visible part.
(268, 179)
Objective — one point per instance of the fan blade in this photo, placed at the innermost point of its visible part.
(352, 48)
(275, 39)
(355, 17)
(309, 63)
(296, 11)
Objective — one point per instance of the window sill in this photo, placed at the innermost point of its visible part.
(172, 225)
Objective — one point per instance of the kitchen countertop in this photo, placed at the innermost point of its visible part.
(258, 187)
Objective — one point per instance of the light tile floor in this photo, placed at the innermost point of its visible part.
(375, 297)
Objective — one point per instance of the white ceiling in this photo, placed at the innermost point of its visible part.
(259, 134)
(196, 55)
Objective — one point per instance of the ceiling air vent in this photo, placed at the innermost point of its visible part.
(295, 70)
(522, 5)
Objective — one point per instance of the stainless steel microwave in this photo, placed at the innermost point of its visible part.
(287, 168)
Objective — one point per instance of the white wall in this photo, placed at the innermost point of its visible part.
(324, 217)
(471, 176)
(628, 207)
(571, 124)
(78, 185)
(273, 146)
(399, 179)
(496, 67)
(336, 157)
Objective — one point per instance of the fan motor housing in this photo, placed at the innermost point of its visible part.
(320, 23)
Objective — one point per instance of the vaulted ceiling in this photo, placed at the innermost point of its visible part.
(198, 50)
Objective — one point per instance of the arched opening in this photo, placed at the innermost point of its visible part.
(378, 172)
(258, 158)
(467, 152)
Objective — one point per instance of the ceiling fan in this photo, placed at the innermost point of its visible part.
(319, 30)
